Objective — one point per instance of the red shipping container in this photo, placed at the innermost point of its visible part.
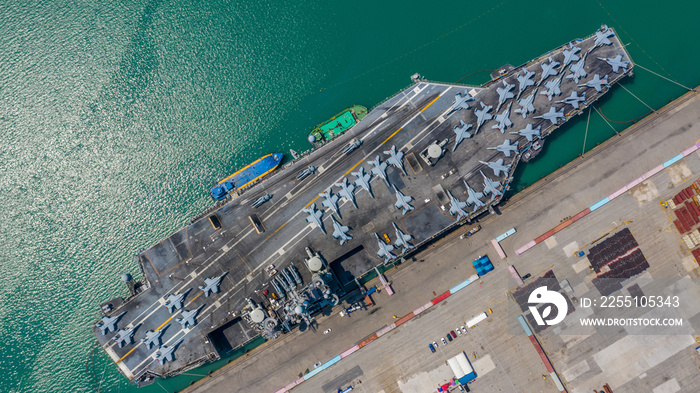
(677, 223)
(694, 210)
(678, 214)
(581, 214)
(441, 297)
(696, 255)
(693, 202)
(540, 239)
(367, 340)
(693, 214)
(688, 218)
(681, 218)
(404, 319)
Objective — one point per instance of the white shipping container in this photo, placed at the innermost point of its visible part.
(472, 322)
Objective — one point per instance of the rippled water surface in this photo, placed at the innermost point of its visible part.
(116, 117)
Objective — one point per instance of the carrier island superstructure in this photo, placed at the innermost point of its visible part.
(424, 162)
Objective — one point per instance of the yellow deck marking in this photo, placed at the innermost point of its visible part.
(353, 167)
(193, 299)
(127, 354)
(421, 111)
(307, 205)
(391, 136)
(430, 103)
(282, 226)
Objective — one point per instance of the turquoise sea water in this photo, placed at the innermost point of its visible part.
(116, 117)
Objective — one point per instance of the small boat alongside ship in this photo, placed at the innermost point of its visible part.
(264, 165)
(531, 151)
(337, 124)
(246, 176)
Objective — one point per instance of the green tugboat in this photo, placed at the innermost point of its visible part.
(337, 124)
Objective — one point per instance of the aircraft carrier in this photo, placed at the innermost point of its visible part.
(251, 248)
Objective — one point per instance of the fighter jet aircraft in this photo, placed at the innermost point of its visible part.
(153, 338)
(570, 54)
(490, 186)
(402, 201)
(616, 63)
(189, 317)
(497, 167)
(506, 147)
(109, 323)
(166, 353)
(528, 132)
(474, 198)
(124, 337)
(552, 88)
(384, 249)
(395, 158)
(349, 148)
(314, 217)
(577, 69)
(548, 69)
(340, 231)
(363, 180)
(379, 169)
(525, 80)
(402, 239)
(457, 206)
(306, 172)
(258, 202)
(552, 115)
(482, 115)
(504, 94)
(347, 191)
(461, 101)
(211, 284)
(597, 83)
(503, 120)
(330, 201)
(574, 99)
(174, 302)
(601, 37)
(461, 133)
(526, 104)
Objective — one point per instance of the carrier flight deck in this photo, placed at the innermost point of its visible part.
(423, 185)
